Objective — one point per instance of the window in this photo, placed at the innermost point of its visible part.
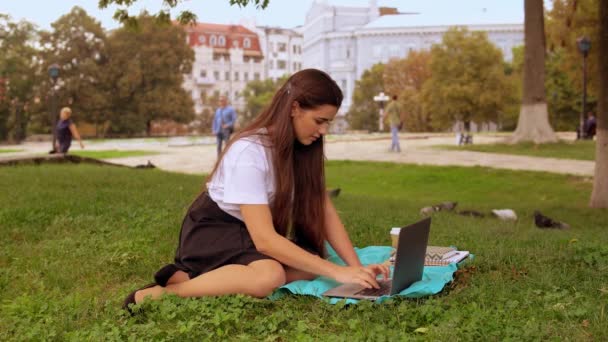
(246, 43)
(295, 66)
(236, 75)
(282, 47)
(217, 57)
(343, 83)
(201, 39)
(216, 75)
(246, 59)
(281, 65)
(271, 64)
(227, 78)
(203, 73)
(256, 76)
(246, 76)
(295, 49)
(236, 94)
(213, 40)
(222, 41)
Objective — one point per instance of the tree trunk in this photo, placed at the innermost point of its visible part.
(599, 196)
(533, 123)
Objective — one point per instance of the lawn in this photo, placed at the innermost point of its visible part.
(109, 154)
(76, 239)
(583, 150)
(9, 150)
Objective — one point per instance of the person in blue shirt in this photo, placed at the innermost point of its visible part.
(223, 123)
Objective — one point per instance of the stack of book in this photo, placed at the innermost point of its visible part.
(440, 256)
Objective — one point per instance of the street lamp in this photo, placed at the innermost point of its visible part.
(584, 45)
(381, 98)
(54, 75)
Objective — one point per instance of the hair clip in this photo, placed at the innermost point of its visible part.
(288, 87)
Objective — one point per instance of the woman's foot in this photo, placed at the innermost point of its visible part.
(151, 292)
(131, 298)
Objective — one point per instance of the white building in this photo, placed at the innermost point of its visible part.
(282, 50)
(346, 41)
(226, 58)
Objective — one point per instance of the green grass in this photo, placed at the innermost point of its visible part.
(583, 150)
(9, 150)
(108, 154)
(76, 239)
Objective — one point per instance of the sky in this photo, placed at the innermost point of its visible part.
(280, 13)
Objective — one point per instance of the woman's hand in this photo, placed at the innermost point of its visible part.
(361, 275)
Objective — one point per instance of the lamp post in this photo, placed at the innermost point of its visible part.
(381, 98)
(584, 45)
(54, 75)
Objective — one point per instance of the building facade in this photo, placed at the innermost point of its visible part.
(346, 41)
(227, 57)
(282, 50)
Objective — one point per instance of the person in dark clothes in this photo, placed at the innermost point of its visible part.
(65, 130)
(590, 126)
(265, 216)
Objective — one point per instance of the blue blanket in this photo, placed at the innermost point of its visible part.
(433, 280)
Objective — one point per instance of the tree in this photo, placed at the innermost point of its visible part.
(405, 77)
(364, 112)
(599, 196)
(17, 76)
(467, 80)
(533, 123)
(78, 45)
(146, 68)
(258, 95)
(163, 15)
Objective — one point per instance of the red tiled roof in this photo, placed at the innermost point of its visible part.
(233, 34)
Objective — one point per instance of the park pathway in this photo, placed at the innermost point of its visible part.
(417, 149)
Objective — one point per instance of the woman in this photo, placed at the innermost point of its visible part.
(65, 130)
(266, 214)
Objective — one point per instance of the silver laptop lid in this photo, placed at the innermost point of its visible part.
(411, 250)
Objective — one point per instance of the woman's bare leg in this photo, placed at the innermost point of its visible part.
(258, 279)
(178, 277)
(292, 274)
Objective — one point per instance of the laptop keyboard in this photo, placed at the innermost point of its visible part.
(385, 289)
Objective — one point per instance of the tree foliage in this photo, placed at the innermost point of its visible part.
(467, 80)
(77, 44)
(566, 22)
(146, 69)
(405, 77)
(364, 112)
(18, 64)
(164, 15)
(258, 95)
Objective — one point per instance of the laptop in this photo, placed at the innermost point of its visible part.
(409, 264)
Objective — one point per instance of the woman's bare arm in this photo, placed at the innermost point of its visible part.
(258, 220)
(76, 135)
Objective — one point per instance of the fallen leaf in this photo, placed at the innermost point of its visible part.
(422, 330)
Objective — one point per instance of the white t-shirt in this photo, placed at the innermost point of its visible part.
(244, 176)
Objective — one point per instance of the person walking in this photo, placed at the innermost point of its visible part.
(265, 216)
(223, 123)
(65, 130)
(393, 111)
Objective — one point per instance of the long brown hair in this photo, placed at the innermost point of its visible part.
(299, 170)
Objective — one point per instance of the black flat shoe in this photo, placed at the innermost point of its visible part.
(131, 297)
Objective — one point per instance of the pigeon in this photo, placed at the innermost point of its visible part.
(472, 213)
(149, 165)
(542, 221)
